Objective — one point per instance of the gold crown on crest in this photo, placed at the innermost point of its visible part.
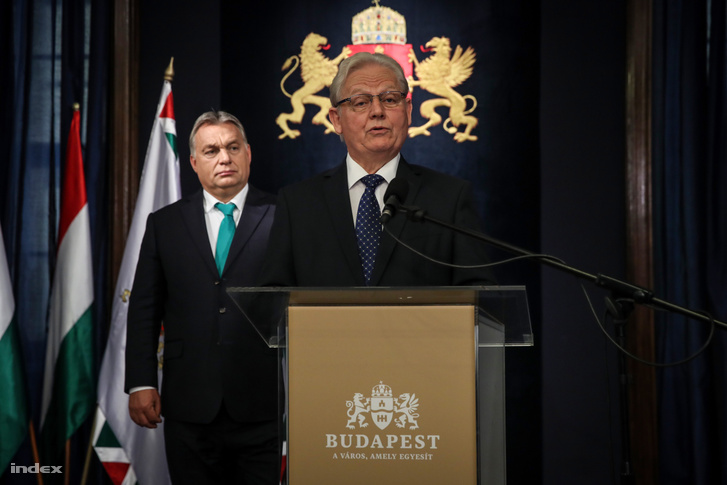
(381, 390)
(378, 25)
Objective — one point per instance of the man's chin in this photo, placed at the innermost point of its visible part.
(229, 186)
(229, 181)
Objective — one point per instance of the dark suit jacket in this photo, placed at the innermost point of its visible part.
(313, 240)
(211, 355)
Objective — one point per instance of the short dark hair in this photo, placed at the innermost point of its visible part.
(214, 118)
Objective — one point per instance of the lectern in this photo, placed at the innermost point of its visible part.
(392, 385)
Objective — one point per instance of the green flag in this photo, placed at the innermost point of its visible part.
(14, 408)
(69, 386)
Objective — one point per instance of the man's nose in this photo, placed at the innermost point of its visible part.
(377, 109)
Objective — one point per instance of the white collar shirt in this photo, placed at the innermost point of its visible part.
(356, 188)
(213, 216)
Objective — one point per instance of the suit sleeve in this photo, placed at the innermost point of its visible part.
(146, 310)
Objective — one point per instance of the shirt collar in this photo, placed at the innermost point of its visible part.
(355, 172)
(238, 200)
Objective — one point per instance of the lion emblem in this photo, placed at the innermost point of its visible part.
(439, 74)
(406, 406)
(317, 72)
(356, 410)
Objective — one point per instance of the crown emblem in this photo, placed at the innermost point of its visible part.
(378, 25)
(381, 390)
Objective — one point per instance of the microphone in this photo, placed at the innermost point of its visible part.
(395, 194)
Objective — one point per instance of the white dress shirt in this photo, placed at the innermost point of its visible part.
(213, 216)
(356, 188)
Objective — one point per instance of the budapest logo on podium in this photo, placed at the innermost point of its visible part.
(383, 409)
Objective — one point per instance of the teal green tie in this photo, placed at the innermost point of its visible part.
(224, 237)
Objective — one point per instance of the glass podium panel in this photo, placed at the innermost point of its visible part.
(503, 315)
(390, 383)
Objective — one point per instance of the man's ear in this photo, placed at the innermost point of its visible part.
(335, 118)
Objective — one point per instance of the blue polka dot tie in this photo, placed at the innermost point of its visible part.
(224, 237)
(368, 226)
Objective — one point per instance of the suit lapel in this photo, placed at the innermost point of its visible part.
(252, 214)
(335, 191)
(193, 218)
(397, 223)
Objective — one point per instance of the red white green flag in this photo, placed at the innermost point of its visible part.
(68, 383)
(127, 451)
(14, 408)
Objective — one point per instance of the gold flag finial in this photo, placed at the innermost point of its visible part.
(169, 73)
(76, 107)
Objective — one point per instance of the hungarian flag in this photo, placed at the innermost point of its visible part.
(68, 381)
(14, 408)
(127, 451)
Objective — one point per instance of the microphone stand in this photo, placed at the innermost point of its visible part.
(618, 288)
(618, 309)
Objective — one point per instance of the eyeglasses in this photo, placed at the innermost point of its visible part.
(362, 102)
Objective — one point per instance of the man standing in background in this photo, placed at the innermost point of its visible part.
(219, 390)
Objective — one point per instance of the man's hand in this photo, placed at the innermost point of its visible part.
(145, 408)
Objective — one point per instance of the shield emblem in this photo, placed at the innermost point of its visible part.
(382, 411)
(400, 52)
(379, 29)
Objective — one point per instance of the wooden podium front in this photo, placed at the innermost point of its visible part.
(381, 394)
(392, 385)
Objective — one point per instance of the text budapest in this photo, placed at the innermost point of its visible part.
(390, 441)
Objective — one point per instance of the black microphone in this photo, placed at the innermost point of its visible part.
(395, 194)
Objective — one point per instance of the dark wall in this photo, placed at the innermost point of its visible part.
(190, 34)
(582, 219)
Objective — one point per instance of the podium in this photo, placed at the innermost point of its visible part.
(392, 385)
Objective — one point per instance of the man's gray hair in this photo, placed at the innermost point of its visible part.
(214, 118)
(359, 60)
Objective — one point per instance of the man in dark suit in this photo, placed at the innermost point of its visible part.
(219, 387)
(327, 231)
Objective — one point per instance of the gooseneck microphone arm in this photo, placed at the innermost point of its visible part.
(617, 287)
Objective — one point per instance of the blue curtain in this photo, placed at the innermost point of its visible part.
(690, 234)
(54, 53)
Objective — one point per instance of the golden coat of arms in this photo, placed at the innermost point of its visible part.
(381, 29)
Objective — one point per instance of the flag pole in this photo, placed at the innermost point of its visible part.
(67, 468)
(169, 73)
(89, 451)
(34, 447)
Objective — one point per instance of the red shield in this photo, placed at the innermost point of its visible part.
(400, 52)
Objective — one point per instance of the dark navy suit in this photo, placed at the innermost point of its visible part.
(313, 240)
(211, 356)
